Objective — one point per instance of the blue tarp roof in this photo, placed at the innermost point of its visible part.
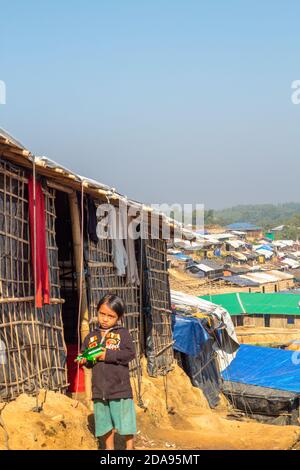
(182, 257)
(242, 226)
(265, 367)
(264, 247)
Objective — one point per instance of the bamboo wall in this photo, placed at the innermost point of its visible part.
(34, 355)
(102, 280)
(157, 307)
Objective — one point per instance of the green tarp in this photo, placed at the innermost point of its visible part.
(257, 303)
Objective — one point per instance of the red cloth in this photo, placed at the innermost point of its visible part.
(41, 262)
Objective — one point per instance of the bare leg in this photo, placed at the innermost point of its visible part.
(129, 442)
(109, 440)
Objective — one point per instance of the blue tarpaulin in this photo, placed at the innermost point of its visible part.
(189, 335)
(197, 356)
(182, 257)
(265, 367)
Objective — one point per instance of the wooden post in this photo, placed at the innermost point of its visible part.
(84, 313)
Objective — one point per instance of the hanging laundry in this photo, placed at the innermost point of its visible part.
(132, 269)
(116, 232)
(40, 260)
(92, 220)
(3, 357)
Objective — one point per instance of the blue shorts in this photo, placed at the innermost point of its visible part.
(115, 414)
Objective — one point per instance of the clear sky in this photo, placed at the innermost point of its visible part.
(169, 101)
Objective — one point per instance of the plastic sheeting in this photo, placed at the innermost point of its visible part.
(225, 344)
(265, 367)
(205, 344)
(198, 358)
(264, 404)
(189, 335)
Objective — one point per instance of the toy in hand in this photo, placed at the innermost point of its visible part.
(90, 354)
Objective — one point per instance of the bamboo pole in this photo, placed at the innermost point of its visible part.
(84, 313)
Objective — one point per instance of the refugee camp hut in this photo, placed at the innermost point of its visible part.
(206, 269)
(234, 245)
(48, 232)
(277, 310)
(235, 258)
(264, 384)
(271, 281)
(253, 232)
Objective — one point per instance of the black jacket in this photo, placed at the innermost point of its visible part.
(110, 378)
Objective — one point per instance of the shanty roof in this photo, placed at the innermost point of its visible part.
(243, 226)
(213, 265)
(264, 367)
(237, 256)
(265, 277)
(14, 151)
(240, 281)
(236, 243)
(257, 303)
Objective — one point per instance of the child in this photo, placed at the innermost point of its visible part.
(111, 389)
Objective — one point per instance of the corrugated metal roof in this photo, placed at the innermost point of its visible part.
(261, 278)
(10, 139)
(240, 281)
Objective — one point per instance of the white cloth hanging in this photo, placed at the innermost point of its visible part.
(116, 232)
(132, 269)
(120, 230)
(3, 357)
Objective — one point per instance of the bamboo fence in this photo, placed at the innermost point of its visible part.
(33, 353)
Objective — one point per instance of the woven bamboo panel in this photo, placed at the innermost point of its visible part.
(157, 307)
(101, 280)
(33, 350)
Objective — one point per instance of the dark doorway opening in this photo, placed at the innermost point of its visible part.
(67, 271)
(67, 276)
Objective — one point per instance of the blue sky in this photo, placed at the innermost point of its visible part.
(169, 101)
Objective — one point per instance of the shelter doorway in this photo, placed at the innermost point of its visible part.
(67, 277)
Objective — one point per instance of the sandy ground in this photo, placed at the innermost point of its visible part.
(62, 424)
(180, 419)
(181, 281)
(191, 424)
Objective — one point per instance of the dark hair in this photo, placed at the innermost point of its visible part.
(114, 302)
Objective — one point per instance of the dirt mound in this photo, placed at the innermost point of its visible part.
(174, 415)
(63, 423)
(169, 399)
(181, 418)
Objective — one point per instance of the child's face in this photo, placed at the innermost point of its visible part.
(107, 317)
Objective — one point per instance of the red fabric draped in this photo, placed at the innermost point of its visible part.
(41, 262)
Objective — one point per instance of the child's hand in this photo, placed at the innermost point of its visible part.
(101, 356)
(82, 361)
